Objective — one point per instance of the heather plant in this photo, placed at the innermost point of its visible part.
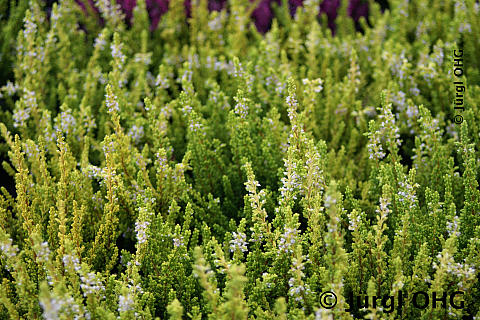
(205, 170)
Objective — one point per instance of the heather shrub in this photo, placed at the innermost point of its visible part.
(205, 170)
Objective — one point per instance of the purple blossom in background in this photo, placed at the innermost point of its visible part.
(357, 9)
(262, 15)
(330, 8)
(156, 9)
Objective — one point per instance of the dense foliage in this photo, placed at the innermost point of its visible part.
(204, 170)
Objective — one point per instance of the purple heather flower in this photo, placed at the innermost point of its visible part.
(330, 8)
(262, 15)
(357, 9)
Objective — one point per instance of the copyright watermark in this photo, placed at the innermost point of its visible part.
(419, 300)
(328, 300)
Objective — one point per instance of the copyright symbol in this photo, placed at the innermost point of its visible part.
(328, 300)
(458, 119)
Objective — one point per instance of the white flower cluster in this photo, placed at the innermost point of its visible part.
(31, 150)
(290, 182)
(388, 126)
(287, 240)
(30, 26)
(398, 65)
(316, 84)
(55, 307)
(186, 76)
(375, 150)
(354, 220)
(144, 58)
(71, 260)
(108, 148)
(10, 88)
(329, 201)
(136, 133)
(406, 193)
(162, 82)
(216, 23)
(297, 288)
(21, 115)
(178, 241)
(383, 210)
(292, 103)
(399, 99)
(239, 242)
(91, 285)
(256, 199)
(125, 302)
(463, 270)
(241, 108)
(453, 226)
(117, 52)
(43, 254)
(100, 42)
(437, 55)
(93, 172)
(196, 126)
(65, 122)
(141, 231)
(112, 103)
(7, 248)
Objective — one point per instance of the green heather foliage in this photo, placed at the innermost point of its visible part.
(206, 171)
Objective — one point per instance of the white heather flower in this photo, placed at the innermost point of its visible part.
(117, 52)
(67, 122)
(30, 99)
(388, 126)
(239, 242)
(316, 84)
(241, 108)
(43, 253)
(7, 248)
(329, 201)
(406, 192)
(162, 82)
(31, 150)
(144, 58)
(140, 229)
(354, 221)
(136, 133)
(215, 24)
(464, 27)
(196, 126)
(292, 102)
(287, 240)
(112, 102)
(108, 148)
(90, 284)
(412, 113)
(453, 226)
(30, 26)
(51, 308)
(291, 181)
(375, 150)
(399, 100)
(100, 42)
(178, 242)
(383, 210)
(71, 260)
(125, 303)
(93, 172)
(10, 88)
(186, 76)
